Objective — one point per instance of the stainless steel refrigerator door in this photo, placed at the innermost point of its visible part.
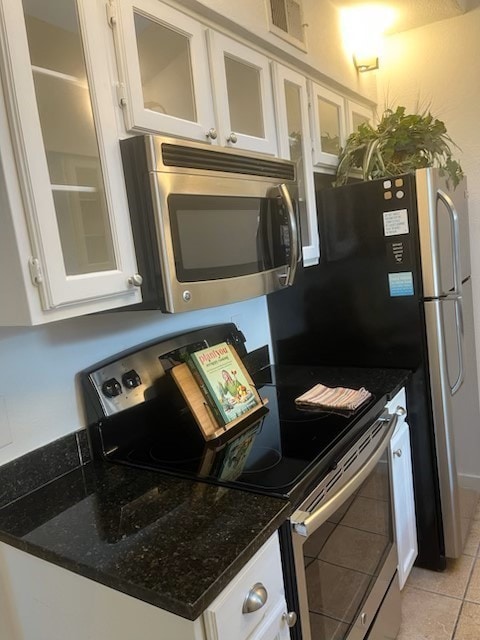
(453, 379)
(443, 232)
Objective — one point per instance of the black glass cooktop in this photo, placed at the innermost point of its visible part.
(280, 451)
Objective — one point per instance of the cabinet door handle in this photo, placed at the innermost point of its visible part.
(256, 598)
(212, 134)
(290, 618)
(398, 453)
(232, 138)
(135, 280)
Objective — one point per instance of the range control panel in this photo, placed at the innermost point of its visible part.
(127, 382)
(133, 377)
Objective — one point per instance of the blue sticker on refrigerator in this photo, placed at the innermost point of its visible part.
(400, 284)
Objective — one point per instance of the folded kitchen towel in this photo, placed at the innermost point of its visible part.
(341, 398)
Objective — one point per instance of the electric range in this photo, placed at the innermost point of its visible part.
(138, 417)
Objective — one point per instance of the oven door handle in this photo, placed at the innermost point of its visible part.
(305, 523)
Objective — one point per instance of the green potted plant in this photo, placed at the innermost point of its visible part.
(400, 143)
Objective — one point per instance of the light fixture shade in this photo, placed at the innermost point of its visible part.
(366, 63)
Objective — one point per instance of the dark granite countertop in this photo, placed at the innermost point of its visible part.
(170, 542)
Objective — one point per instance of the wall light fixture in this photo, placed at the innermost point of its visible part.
(363, 28)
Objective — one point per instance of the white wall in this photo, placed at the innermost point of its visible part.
(439, 64)
(39, 396)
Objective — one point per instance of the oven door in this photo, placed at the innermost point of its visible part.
(344, 549)
(223, 239)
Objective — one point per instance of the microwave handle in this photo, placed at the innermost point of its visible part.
(293, 229)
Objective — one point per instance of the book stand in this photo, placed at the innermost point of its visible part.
(202, 413)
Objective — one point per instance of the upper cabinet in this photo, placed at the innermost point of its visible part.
(294, 143)
(64, 143)
(357, 114)
(243, 97)
(170, 83)
(328, 124)
(163, 67)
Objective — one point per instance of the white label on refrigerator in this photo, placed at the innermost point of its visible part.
(400, 284)
(395, 223)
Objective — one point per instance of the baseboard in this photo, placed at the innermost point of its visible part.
(469, 481)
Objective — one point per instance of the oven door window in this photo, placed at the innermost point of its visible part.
(217, 237)
(345, 555)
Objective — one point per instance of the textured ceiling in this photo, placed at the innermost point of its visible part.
(415, 13)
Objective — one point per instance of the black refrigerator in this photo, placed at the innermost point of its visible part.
(393, 289)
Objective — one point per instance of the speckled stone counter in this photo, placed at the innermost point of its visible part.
(170, 542)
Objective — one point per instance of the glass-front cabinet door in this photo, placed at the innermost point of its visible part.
(243, 96)
(163, 66)
(357, 114)
(328, 124)
(67, 152)
(294, 143)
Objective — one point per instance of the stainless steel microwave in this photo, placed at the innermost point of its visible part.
(211, 226)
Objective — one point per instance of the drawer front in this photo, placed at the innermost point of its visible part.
(224, 618)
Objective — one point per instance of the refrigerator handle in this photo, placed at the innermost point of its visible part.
(454, 224)
(460, 342)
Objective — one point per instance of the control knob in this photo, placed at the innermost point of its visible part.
(131, 379)
(111, 388)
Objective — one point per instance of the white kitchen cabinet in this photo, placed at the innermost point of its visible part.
(262, 579)
(357, 114)
(294, 143)
(163, 68)
(171, 82)
(243, 97)
(67, 229)
(327, 111)
(41, 601)
(403, 497)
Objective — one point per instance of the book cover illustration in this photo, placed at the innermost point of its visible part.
(220, 369)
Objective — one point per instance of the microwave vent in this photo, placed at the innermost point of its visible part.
(176, 155)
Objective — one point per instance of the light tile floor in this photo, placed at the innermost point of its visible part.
(446, 605)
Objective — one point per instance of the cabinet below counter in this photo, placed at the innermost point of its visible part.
(172, 543)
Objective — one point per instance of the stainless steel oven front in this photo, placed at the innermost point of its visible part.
(344, 548)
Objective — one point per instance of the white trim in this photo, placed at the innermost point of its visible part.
(73, 188)
(469, 481)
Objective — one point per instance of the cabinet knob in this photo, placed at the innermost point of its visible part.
(135, 280)
(290, 618)
(398, 453)
(256, 598)
(400, 411)
(212, 134)
(232, 138)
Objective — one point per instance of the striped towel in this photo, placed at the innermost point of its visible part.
(342, 398)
